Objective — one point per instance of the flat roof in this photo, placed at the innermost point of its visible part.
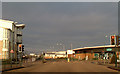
(20, 25)
(15, 23)
(6, 21)
(95, 47)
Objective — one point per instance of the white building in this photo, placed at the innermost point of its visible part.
(9, 38)
(5, 42)
(49, 55)
(59, 54)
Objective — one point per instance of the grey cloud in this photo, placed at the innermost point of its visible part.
(83, 24)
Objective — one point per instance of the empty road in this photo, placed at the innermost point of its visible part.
(64, 66)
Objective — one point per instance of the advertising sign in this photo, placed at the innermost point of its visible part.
(108, 49)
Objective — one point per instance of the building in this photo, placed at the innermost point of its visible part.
(10, 37)
(70, 53)
(99, 52)
(50, 55)
(61, 54)
(54, 55)
(5, 42)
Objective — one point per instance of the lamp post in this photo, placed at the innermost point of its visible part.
(115, 57)
(104, 50)
(63, 46)
(115, 54)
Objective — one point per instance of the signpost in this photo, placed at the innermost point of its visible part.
(11, 56)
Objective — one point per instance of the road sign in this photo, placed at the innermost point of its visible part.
(11, 51)
(70, 51)
(108, 49)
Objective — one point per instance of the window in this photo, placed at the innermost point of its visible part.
(5, 43)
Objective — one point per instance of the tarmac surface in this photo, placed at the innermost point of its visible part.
(64, 66)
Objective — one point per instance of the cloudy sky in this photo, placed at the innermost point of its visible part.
(78, 23)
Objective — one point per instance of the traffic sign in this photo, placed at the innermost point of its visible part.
(108, 49)
(11, 51)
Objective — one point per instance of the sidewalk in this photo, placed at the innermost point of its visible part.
(17, 66)
(107, 64)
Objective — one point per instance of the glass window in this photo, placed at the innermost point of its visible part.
(3, 43)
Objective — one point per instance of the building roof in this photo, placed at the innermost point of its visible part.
(6, 28)
(95, 47)
(20, 25)
(14, 23)
(7, 21)
(50, 52)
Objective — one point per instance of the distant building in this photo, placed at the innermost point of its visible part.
(49, 55)
(10, 37)
(59, 54)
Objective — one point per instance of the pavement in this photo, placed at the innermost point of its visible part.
(8, 67)
(64, 66)
(106, 63)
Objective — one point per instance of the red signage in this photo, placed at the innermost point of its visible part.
(11, 51)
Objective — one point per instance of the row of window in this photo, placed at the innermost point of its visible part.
(6, 33)
(5, 54)
(6, 44)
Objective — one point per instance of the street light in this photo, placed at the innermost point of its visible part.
(63, 46)
(104, 49)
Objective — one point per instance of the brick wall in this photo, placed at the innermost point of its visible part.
(70, 55)
(83, 55)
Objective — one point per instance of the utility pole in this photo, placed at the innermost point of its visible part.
(116, 49)
(115, 57)
(114, 39)
(104, 49)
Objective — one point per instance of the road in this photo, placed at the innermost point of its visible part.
(64, 66)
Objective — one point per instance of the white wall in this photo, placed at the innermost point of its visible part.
(1, 33)
(61, 52)
(5, 34)
(61, 55)
(6, 25)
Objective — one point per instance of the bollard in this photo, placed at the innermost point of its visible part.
(68, 60)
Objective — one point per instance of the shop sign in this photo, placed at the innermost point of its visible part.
(108, 49)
